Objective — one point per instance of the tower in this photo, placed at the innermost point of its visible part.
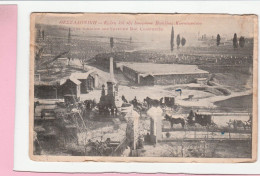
(111, 83)
(112, 87)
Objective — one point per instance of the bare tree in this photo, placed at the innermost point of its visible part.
(172, 39)
(69, 36)
(43, 35)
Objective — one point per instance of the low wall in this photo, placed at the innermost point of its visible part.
(178, 78)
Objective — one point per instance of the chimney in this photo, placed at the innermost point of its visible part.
(111, 82)
(111, 67)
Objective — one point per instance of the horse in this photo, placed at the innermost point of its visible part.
(248, 125)
(124, 99)
(175, 120)
(239, 123)
(134, 102)
(151, 102)
(138, 106)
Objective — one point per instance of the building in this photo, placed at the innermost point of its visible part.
(70, 86)
(79, 83)
(89, 81)
(46, 90)
(161, 74)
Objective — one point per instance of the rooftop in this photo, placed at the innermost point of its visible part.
(75, 77)
(82, 75)
(163, 69)
(75, 81)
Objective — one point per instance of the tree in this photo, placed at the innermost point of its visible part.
(241, 41)
(235, 43)
(183, 41)
(218, 40)
(178, 40)
(172, 39)
(130, 39)
(111, 43)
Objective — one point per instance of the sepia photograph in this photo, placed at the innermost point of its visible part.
(143, 87)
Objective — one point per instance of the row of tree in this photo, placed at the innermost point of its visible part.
(241, 42)
(179, 40)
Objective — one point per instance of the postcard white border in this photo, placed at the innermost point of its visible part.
(22, 161)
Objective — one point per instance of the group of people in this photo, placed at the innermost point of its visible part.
(108, 110)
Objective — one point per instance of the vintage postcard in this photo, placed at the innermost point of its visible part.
(143, 87)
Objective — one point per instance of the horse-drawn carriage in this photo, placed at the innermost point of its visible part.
(203, 119)
(238, 124)
(167, 102)
(163, 102)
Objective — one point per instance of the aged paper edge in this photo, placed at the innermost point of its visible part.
(45, 158)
